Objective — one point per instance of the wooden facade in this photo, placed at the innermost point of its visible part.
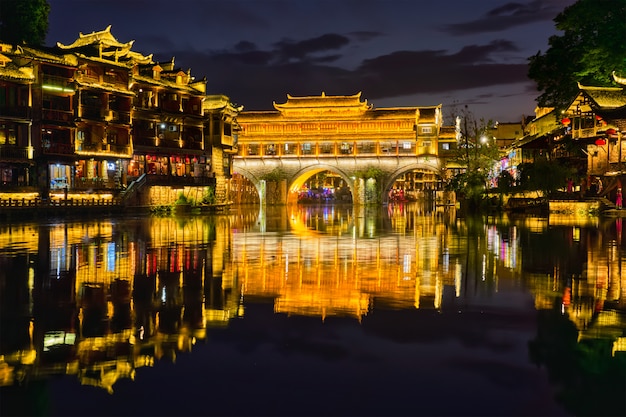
(94, 115)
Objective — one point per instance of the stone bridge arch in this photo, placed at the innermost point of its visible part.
(422, 163)
(300, 177)
(295, 171)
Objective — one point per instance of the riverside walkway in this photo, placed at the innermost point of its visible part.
(37, 207)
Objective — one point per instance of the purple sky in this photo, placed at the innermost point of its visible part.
(396, 52)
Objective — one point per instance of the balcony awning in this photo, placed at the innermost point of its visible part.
(532, 142)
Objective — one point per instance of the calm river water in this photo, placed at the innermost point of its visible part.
(401, 310)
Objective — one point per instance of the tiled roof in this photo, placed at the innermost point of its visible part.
(13, 72)
(605, 97)
(48, 55)
(166, 83)
(104, 87)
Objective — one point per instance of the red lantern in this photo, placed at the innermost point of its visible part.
(566, 121)
(611, 131)
(600, 142)
(598, 117)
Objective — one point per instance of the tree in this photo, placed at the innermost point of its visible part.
(591, 47)
(373, 177)
(273, 179)
(545, 176)
(478, 152)
(24, 21)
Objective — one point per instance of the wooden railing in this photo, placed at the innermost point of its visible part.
(13, 152)
(584, 133)
(21, 112)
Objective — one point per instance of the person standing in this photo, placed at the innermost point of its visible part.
(618, 198)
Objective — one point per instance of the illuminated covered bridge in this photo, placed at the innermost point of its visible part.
(342, 148)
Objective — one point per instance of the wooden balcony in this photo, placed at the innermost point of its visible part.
(119, 117)
(50, 115)
(58, 149)
(16, 112)
(227, 140)
(147, 140)
(13, 152)
(56, 83)
(104, 148)
(93, 113)
(584, 133)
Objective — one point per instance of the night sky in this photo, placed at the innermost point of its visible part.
(396, 52)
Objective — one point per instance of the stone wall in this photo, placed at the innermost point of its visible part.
(166, 196)
(581, 208)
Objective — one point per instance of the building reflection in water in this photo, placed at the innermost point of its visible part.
(100, 299)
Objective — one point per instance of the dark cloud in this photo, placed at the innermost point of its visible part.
(288, 50)
(507, 16)
(245, 46)
(366, 35)
(253, 77)
(413, 72)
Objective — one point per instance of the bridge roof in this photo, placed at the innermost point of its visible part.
(323, 101)
(339, 107)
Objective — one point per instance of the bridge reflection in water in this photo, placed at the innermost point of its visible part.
(99, 300)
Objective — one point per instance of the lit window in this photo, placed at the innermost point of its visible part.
(427, 129)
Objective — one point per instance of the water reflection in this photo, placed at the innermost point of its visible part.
(100, 299)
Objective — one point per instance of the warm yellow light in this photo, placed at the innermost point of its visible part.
(57, 88)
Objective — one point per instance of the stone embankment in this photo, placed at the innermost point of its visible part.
(19, 208)
(587, 207)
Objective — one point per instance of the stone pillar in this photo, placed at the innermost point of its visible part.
(262, 192)
(359, 191)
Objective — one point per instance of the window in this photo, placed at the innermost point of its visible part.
(427, 129)
(445, 146)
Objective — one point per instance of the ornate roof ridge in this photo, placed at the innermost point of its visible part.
(322, 101)
(595, 88)
(102, 37)
(618, 79)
